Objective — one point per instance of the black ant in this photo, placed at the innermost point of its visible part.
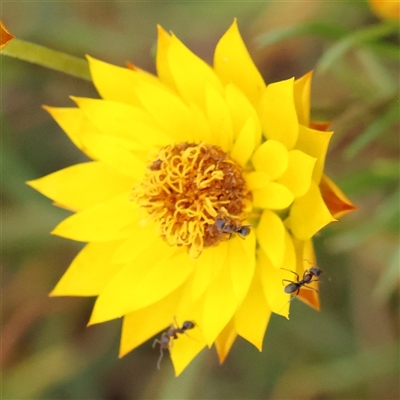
(226, 225)
(308, 276)
(172, 333)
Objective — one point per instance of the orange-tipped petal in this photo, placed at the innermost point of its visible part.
(337, 202)
(5, 35)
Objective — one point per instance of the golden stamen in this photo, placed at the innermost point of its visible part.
(189, 187)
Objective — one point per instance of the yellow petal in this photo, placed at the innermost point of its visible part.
(102, 222)
(89, 139)
(167, 109)
(271, 237)
(138, 241)
(225, 340)
(302, 87)
(245, 143)
(201, 126)
(241, 260)
(141, 325)
(74, 123)
(82, 185)
(309, 258)
(188, 345)
(233, 64)
(257, 180)
(273, 286)
(272, 158)
(208, 267)
(89, 272)
(143, 282)
(163, 71)
(116, 83)
(241, 110)
(130, 124)
(315, 144)
(278, 113)
(309, 214)
(252, 318)
(297, 177)
(191, 74)
(112, 152)
(219, 305)
(274, 196)
(186, 349)
(219, 118)
(290, 260)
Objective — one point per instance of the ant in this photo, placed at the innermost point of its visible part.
(172, 333)
(230, 227)
(308, 276)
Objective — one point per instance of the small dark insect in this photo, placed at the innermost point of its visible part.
(308, 276)
(170, 334)
(226, 225)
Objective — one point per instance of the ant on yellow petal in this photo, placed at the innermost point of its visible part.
(169, 335)
(308, 276)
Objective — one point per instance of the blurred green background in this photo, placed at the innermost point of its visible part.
(349, 350)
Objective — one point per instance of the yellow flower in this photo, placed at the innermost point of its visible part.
(205, 183)
(386, 9)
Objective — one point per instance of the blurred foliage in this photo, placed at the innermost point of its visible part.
(348, 350)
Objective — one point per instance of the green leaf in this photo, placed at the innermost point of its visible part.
(360, 37)
(320, 29)
(382, 123)
(389, 280)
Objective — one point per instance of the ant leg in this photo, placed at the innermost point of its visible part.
(160, 358)
(298, 277)
(155, 342)
(291, 299)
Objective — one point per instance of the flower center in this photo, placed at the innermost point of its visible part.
(196, 194)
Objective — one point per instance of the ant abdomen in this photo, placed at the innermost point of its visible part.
(291, 288)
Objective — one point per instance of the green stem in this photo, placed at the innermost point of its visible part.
(48, 58)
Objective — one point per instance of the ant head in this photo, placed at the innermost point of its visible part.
(188, 325)
(244, 230)
(315, 271)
